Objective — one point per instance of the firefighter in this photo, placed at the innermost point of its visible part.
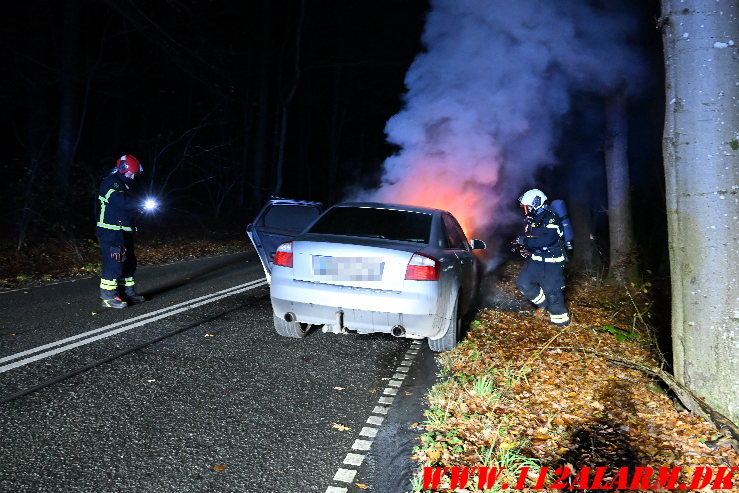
(542, 278)
(115, 232)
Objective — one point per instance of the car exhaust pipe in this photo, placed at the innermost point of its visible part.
(290, 317)
(398, 331)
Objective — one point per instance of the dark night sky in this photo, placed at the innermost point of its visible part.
(196, 89)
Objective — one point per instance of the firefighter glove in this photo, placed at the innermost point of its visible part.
(118, 253)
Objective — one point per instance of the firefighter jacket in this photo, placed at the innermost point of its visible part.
(118, 210)
(544, 237)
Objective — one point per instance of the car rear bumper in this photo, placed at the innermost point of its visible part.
(363, 310)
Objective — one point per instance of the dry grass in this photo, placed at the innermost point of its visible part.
(555, 406)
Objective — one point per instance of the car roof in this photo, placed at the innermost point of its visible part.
(388, 205)
(282, 201)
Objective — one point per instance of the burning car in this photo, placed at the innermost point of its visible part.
(367, 267)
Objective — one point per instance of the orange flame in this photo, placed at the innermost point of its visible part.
(464, 200)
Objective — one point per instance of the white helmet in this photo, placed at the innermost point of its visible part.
(534, 198)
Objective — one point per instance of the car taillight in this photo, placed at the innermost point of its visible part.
(284, 254)
(422, 268)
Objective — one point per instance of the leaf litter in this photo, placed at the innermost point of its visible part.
(50, 260)
(518, 391)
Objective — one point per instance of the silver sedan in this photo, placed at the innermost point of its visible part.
(367, 267)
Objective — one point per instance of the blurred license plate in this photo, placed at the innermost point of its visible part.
(348, 268)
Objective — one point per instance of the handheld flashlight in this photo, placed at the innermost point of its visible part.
(150, 204)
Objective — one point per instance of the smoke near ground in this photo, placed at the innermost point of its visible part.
(486, 100)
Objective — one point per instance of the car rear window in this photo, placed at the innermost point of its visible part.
(369, 222)
(290, 216)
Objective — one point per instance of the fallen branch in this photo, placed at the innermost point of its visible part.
(691, 401)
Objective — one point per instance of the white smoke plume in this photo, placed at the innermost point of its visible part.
(485, 100)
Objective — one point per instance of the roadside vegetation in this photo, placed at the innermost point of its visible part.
(518, 392)
(53, 259)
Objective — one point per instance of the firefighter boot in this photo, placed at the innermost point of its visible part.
(130, 295)
(110, 300)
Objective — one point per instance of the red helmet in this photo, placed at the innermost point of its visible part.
(128, 163)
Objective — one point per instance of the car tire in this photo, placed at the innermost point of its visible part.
(290, 329)
(449, 340)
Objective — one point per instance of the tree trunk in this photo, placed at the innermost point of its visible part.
(260, 144)
(702, 177)
(622, 261)
(335, 137)
(245, 149)
(284, 111)
(68, 97)
(583, 255)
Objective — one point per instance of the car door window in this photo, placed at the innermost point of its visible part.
(277, 223)
(454, 234)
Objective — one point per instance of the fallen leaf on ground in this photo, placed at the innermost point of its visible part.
(558, 398)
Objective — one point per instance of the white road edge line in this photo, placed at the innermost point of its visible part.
(163, 313)
(344, 475)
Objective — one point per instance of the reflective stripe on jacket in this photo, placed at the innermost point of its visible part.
(544, 237)
(117, 209)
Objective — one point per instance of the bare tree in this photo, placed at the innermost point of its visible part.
(622, 263)
(581, 217)
(68, 96)
(285, 107)
(702, 178)
(338, 112)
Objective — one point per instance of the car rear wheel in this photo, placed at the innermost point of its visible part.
(290, 329)
(450, 338)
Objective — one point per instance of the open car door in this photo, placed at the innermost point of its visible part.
(280, 220)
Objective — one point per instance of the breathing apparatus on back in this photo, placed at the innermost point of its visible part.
(560, 208)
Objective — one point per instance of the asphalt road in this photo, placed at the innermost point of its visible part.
(193, 391)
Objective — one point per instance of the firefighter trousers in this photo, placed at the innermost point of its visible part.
(116, 274)
(543, 284)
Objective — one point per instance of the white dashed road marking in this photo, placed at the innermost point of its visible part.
(368, 432)
(353, 459)
(345, 475)
(362, 444)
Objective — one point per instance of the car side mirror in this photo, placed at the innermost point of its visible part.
(478, 245)
(249, 227)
